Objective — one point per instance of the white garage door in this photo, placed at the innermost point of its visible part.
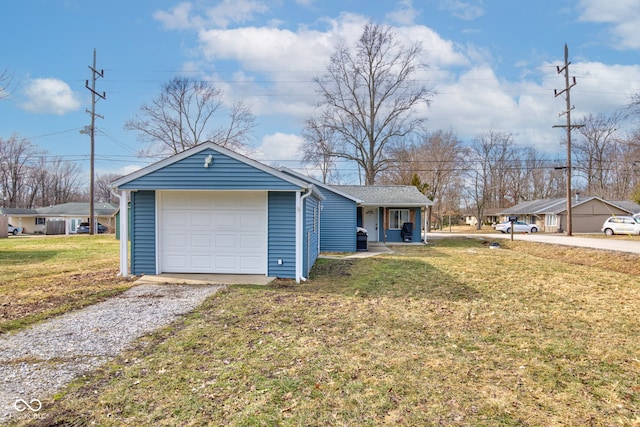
(213, 232)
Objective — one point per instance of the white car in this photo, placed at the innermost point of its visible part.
(13, 230)
(621, 225)
(518, 227)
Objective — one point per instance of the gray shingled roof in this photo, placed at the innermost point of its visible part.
(628, 205)
(17, 211)
(555, 206)
(77, 209)
(386, 195)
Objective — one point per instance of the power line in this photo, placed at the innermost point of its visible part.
(92, 130)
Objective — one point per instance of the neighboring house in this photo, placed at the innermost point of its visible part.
(491, 216)
(587, 215)
(59, 219)
(72, 214)
(25, 219)
(211, 210)
(383, 209)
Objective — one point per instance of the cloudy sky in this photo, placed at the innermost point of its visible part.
(491, 62)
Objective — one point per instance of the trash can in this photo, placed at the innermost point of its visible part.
(361, 239)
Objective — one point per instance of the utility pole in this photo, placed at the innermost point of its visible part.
(92, 132)
(567, 89)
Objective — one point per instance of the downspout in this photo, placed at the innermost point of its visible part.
(300, 233)
(426, 208)
(124, 232)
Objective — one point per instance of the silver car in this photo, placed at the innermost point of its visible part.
(621, 225)
(518, 227)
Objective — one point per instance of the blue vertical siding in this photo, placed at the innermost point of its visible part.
(338, 224)
(282, 234)
(311, 233)
(143, 232)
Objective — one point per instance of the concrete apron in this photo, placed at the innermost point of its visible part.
(205, 279)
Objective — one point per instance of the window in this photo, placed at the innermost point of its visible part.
(40, 221)
(397, 217)
(551, 220)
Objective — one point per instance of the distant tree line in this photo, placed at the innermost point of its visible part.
(31, 177)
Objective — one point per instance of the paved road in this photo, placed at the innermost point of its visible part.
(610, 244)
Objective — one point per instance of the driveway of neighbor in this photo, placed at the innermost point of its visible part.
(630, 246)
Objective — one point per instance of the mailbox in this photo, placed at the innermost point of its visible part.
(513, 218)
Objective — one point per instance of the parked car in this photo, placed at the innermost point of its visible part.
(84, 227)
(621, 225)
(518, 227)
(13, 230)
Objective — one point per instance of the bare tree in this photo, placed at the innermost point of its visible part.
(489, 157)
(320, 144)
(370, 98)
(437, 158)
(103, 187)
(595, 151)
(189, 112)
(15, 152)
(5, 82)
(537, 178)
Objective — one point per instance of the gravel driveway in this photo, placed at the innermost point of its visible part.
(36, 362)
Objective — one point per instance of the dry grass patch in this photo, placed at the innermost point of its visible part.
(448, 334)
(46, 276)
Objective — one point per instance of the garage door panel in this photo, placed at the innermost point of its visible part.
(225, 220)
(174, 219)
(200, 220)
(175, 262)
(201, 261)
(250, 221)
(201, 241)
(226, 241)
(250, 242)
(176, 240)
(213, 232)
(249, 263)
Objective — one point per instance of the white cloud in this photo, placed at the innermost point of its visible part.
(622, 15)
(278, 65)
(50, 96)
(184, 16)
(279, 149)
(405, 14)
(466, 10)
(179, 18)
(235, 11)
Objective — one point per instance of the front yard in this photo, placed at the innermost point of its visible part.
(452, 333)
(43, 276)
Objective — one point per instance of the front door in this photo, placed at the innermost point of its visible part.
(370, 222)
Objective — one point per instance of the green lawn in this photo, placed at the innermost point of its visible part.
(452, 333)
(44, 276)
